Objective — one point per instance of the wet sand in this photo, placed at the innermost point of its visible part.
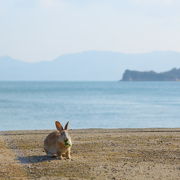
(96, 154)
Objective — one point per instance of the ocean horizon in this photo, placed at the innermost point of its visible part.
(34, 105)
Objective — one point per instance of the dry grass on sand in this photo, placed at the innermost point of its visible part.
(96, 154)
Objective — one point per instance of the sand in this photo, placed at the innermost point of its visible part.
(96, 154)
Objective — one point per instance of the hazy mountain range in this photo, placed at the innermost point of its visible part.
(87, 66)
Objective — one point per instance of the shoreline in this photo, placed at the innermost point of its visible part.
(161, 129)
(139, 153)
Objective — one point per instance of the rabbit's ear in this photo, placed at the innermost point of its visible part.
(66, 126)
(58, 126)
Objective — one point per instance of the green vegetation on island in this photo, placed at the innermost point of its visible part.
(172, 75)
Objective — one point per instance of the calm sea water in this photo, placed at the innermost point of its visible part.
(36, 105)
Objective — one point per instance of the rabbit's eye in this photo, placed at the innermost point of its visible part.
(62, 133)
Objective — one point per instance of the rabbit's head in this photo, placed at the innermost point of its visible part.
(64, 136)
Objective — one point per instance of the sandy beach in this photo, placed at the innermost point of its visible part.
(96, 154)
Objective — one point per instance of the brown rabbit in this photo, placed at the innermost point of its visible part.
(58, 143)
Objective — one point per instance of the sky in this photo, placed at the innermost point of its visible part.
(38, 30)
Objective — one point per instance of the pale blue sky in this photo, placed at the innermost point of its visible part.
(38, 30)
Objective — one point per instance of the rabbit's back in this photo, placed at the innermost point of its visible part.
(50, 142)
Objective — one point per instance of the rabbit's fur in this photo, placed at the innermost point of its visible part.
(55, 143)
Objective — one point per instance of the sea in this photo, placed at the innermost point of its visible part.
(37, 105)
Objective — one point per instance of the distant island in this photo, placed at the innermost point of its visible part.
(172, 75)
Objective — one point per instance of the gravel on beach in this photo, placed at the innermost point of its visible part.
(127, 154)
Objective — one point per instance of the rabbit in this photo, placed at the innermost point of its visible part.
(58, 143)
